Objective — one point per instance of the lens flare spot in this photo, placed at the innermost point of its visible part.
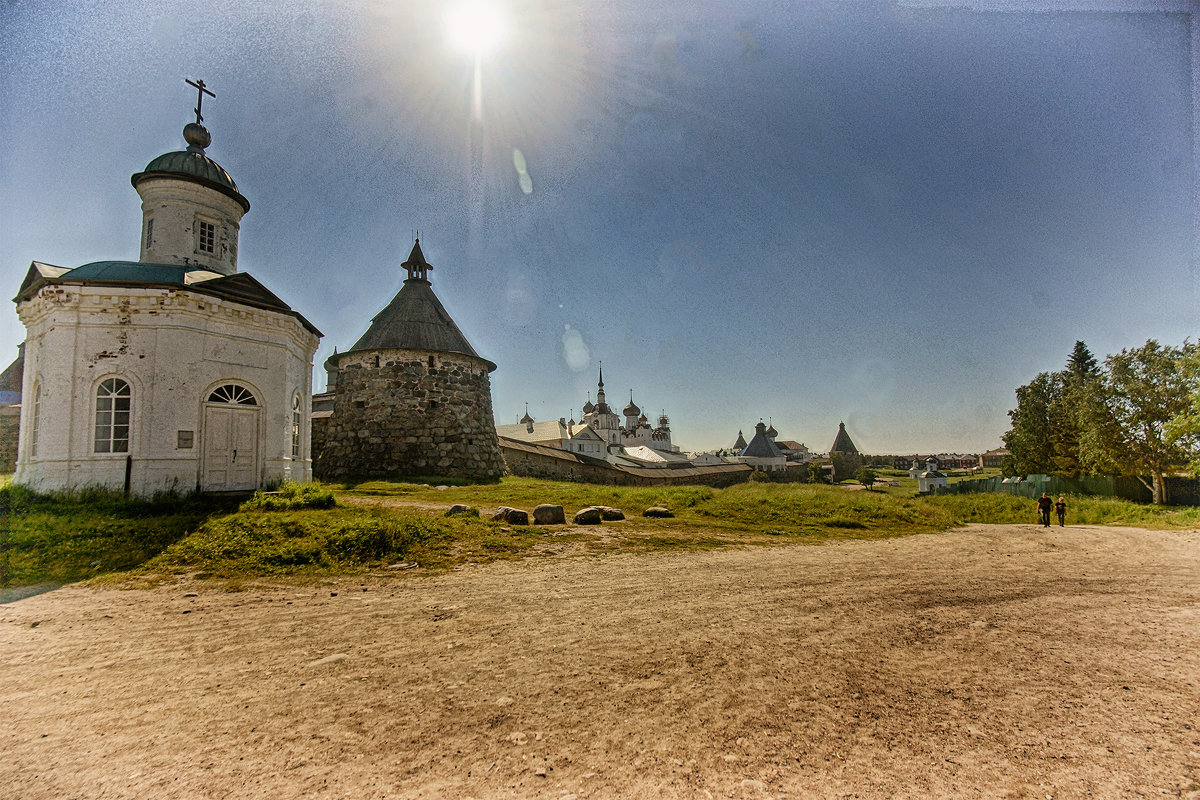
(526, 183)
(575, 351)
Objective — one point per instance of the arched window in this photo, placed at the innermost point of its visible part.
(233, 394)
(113, 398)
(296, 427)
(36, 425)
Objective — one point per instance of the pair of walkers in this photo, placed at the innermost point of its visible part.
(1045, 504)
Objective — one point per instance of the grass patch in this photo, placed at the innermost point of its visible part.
(1081, 510)
(71, 536)
(291, 497)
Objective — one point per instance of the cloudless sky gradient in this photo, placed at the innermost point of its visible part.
(885, 214)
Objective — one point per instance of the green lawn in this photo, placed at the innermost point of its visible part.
(310, 530)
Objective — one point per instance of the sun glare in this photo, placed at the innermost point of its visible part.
(475, 27)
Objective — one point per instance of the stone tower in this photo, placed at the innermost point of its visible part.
(845, 456)
(411, 397)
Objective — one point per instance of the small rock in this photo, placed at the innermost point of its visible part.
(513, 516)
(609, 513)
(191, 594)
(336, 658)
(403, 565)
(465, 510)
(750, 783)
(658, 511)
(588, 516)
(35, 623)
(548, 514)
(441, 488)
(333, 594)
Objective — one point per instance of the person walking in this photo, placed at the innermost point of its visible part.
(1060, 508)
(1044, 505)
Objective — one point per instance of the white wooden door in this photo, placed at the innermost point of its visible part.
(230, 448)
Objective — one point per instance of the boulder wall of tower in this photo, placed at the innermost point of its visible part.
(400, 413)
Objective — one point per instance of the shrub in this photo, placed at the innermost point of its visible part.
(291, 497)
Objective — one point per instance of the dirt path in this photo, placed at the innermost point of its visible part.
(995, 661)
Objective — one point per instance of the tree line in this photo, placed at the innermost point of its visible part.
(1137, 413)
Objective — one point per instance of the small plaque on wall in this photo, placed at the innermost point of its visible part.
(184, 440)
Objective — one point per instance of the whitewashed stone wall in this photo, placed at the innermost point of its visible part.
(173, 346)
(174, 207)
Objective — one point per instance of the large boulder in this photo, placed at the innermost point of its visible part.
(513, 516)
(588, 516)
(549, 514)
(658, 511)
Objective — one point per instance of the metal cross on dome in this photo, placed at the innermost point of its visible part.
(201, 90)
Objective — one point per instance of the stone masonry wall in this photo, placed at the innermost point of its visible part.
(407, 413)
(10, 422)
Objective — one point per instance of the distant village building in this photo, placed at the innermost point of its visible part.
(993, 459)
(411, 397)
(930, 478)
(173, 372)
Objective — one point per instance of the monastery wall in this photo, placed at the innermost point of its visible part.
(538, 461)
(400, 413)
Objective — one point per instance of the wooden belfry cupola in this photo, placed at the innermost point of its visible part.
(416, 265)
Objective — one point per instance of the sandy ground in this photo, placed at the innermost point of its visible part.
(994, 661)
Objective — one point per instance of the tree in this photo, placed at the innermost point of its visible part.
(1071, 411)
(1187, 424)
(1031, 440)
(816, 472)
(1139, 424)
(866, 476)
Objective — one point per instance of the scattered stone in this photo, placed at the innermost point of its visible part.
(658, 511)
(588, 516)
(441, 488)
(464, 510)
(403, 565)
(548, 514)
(609, 513)
(191, 594)
(333, 594)
(336, 658)
(35, 623)
(750, 783)
(513, 516)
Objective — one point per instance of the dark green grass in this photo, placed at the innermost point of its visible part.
(71, 536)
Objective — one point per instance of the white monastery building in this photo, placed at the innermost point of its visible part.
(173, 372)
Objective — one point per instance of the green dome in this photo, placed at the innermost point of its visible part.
(192, 166)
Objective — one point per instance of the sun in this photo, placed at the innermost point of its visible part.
(475, 27)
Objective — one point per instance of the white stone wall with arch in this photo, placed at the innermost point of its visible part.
(173, 346)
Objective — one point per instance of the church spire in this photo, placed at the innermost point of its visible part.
(600, 387)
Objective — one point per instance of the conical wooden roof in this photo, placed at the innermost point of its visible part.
(842, 443)
(416, 320)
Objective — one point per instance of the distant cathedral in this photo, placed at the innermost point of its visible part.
(636, 430)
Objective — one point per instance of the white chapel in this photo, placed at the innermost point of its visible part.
(173, 372)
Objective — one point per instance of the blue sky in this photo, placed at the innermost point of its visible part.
(812, 212)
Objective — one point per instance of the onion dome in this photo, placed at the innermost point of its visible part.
(643, 419)
(771, 432)
(527, 420)
(193, 165)
(631, 410)
(589, 407)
